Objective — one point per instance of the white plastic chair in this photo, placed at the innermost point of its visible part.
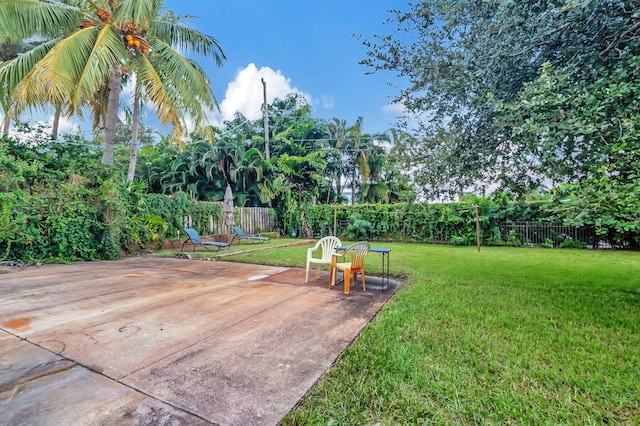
(328, 246)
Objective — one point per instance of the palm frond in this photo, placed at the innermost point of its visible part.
(98, 108)
(173, 86)
(21, 19)
(200, 70)
(188, 81)
(157, 93)
(207, 132)
(107, 51)
(14, 71)
(74, 69)
(142, 12)
(185, 38)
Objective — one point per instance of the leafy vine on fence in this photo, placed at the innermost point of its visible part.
(448, 222)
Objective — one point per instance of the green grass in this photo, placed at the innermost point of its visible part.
(504, 336)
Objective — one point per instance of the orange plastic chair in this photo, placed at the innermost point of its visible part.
(328, 246)
(357, 252)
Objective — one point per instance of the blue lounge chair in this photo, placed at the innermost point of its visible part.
(195, 239)
(240, 235)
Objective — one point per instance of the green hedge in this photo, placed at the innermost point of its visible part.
(75, 223)
(448, 222)
(59, 204)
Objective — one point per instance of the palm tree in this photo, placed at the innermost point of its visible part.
(134, 137)
(9, 51)
(398, 166)
(94, 44)
(244, 167)
(343, 138)
(354, 146)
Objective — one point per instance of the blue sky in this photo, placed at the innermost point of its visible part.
(296, 46)
(301, 46)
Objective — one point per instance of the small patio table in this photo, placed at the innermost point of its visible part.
(385, 253)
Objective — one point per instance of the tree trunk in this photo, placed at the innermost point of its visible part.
(5, 124)
(56, 124)
(134, 137)
(353, 188)
(112, 117)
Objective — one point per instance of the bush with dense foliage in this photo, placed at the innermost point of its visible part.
(449, 222)
(58, 203)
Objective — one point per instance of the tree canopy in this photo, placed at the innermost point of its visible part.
(91, 45)
(516, 94)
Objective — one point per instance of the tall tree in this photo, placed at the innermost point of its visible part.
(9, 50)
(459, 58)
(305, 174)
(95, 41)
(354, 147)
(344, 137)
(135, 121)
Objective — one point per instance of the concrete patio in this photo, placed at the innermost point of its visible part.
(169, 341)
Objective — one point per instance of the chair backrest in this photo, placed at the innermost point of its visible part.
(358, 251)
(193, 235)
(238, 231)
(329, 246)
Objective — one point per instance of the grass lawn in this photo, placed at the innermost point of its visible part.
(504, 336)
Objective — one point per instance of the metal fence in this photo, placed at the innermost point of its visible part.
(548, 234)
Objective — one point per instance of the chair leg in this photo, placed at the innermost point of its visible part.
(347, 278)
(319, 267)
(306, 277)
(332, 276)
(364, 286)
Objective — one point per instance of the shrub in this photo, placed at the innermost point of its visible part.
(359, 229)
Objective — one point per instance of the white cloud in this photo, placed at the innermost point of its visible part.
(67, 125)
(386, 145)
(327, 102)
(245, 93)
(395, 107)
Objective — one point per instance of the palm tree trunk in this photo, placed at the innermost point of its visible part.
(339, 187)
(5, 124)
(112, 117)
(56, 123)
(134, 137)
(353, 187)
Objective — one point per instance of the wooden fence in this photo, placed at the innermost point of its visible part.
(252, 220)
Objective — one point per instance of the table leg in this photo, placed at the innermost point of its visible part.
(385, 271)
